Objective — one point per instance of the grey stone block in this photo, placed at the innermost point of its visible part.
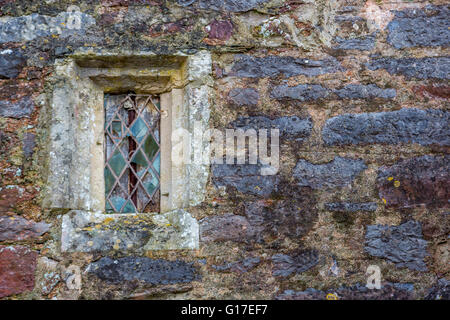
(351, 207)
(272, 66)
(285, 265)
(291, 127)
(416, 27)
(11, 63)
(403, 245)
(20, 109)
(420, 68)
(302, 92)
(337, 173)
(361, 43)
(151, 271)
(424, 127)
(244, 96)
(358, 91)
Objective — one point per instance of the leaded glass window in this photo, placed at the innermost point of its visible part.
(132, 152)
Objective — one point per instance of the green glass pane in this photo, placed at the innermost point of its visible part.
(117, 163)
(141, 172)
(139, 159)
(157, 163)
(117, 202)
(139, 129)
(150, 147)
(108, 207)
(116, 129)
(129, 207)
(109, 180)
(151, 182)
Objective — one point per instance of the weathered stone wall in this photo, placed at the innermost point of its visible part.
(359, 90)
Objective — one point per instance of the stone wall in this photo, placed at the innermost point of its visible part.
(359, 90)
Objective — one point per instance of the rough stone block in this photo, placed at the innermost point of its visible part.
(403, 245)
(311, 92)
(285, 265)
(440, 291)
(420, 68)
(17, 267)
(244, 96)
(291, 127)
(242, 266)
(143, 269)
(415, 182)
(424, 127)
(292, 218)
(302, 92)
(11, 63)
(351, 207)
(26, 28)
(272, 66)
(223, 5)
(245, 178)
(29, 143)
(360, 43)
(358, 91)
(227, 227)
(18, 229)
(388, 291)
(415, 27)
(337, 173)
(84, 231)
(20, 109)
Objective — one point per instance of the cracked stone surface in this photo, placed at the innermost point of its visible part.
(292, 128)
(402, 245)
(20, 109)
(271, 66)
(420, 68)
(151, 271)
(11, 63)
(285, 265)
(18, 229)
(351, 207)
(413, 27)
(414, 182)
(410, 125)
(337, 173)
(96, 232)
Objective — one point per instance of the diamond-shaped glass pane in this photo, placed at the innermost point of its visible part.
(109, 180)
(139, 159)
(150, 182)
(150, 147)
(139, 129)
(117, 162)
(157, 163)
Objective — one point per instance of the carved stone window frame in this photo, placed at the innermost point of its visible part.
(74, 119)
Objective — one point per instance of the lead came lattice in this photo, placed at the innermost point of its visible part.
(132, 149)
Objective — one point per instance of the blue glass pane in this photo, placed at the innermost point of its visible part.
(129, 208)
(151, 182)
(139, 130)
(108, 207)
(117, 202)
(157, 163)
(141, 172)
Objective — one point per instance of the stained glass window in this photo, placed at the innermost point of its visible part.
(132, 151)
